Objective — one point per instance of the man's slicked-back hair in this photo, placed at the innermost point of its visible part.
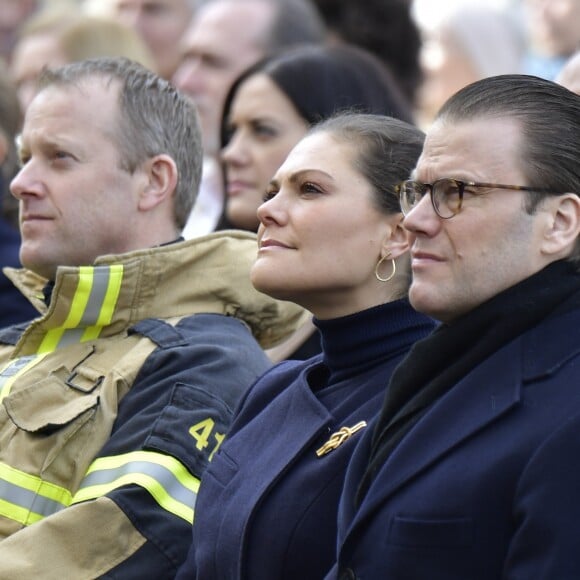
(153, 119)
(549, 116)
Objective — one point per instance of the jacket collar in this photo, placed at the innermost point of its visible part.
(206, 274)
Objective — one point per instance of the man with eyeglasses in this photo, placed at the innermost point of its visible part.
(472, 469)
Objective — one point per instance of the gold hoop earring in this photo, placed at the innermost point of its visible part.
(393, 265)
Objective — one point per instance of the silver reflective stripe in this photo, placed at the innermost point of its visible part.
(159, 473)
(13, 367)
(92, 311)
(101, 275)
(71, 336)
(29, 500)
(10, 370)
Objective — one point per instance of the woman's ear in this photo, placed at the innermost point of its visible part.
(161, 180)
(396, 243)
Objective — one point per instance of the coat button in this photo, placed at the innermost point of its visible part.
(347, 574)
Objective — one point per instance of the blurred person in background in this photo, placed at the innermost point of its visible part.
(267, 111)
(569, 76)
(160, 23)
(13, 306)
(224, 38)
(61, 36)
(13, 14)
(385, 28)
(553, 35)
(38, 46)
(466, 43)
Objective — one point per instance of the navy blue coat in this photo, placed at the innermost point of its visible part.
(487, 484)
(267, 506)
(14, 307)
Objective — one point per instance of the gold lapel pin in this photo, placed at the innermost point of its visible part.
(339, 437)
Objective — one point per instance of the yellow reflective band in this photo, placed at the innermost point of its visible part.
(35, 484)
(92, 307)
(79, 303)
(164, 477)
(18, 514)
(109, 303)
(27, 498)
(13, 370)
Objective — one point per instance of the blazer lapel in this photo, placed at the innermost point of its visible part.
(491, 390)
(460, 413)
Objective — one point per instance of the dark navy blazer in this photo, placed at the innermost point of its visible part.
(487, 484)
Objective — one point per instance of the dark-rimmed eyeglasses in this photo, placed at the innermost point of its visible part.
(447, 194)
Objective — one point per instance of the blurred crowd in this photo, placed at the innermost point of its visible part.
(239, 221)
(425, 50)
(431, 48)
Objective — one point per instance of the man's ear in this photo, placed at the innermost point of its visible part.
(563, 225)
(396, 242)
(161, 180)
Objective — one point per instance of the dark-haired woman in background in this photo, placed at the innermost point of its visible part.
(271, 106)
(330, 240)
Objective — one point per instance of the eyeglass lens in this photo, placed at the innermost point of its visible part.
(446, 196)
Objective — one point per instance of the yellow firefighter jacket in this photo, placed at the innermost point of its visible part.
(116, 398)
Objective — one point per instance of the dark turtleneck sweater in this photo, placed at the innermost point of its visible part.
(357, 343)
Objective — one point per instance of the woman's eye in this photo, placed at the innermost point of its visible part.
(262, 130)
(309, 187)
(269, 195)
